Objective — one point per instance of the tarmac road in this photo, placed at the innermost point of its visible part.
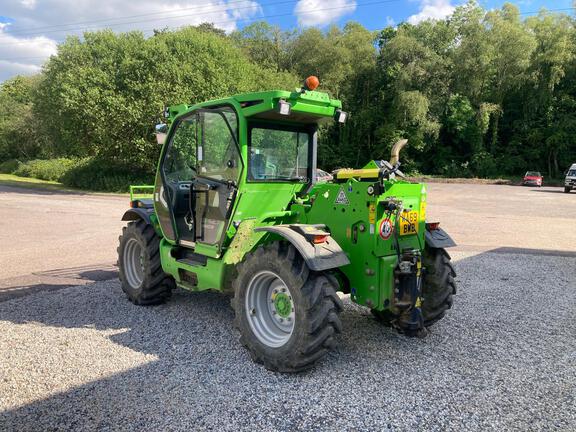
(51, 240)
(75, 355)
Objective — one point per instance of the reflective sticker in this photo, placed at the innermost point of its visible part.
(386, 229)
(372, 213)
(423, 210)
(342, 198)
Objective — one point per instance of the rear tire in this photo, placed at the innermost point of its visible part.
(438, 287)
(140, 270)
(567, 189)
(287, 315)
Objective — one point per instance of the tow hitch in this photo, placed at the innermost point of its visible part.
(408, 284)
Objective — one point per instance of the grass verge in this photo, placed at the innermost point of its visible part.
(30, 182)
(34, 183)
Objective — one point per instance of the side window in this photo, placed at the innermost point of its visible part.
(277, 154)
(218, 156)
(180, 162)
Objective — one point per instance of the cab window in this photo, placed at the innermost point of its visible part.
(278, 154)
(180, 161)
(218, 156)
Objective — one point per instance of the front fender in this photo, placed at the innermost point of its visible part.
(318, 257)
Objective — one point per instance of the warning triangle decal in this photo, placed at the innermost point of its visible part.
(342, 198)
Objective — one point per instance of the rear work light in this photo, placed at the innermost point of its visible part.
(284, 107)
(341, 116)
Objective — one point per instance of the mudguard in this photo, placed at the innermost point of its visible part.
(138, 213)
(439, 239)
(318, 257)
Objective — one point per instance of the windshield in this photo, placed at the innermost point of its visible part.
(532, 174)
(571, 173)
(278, 155)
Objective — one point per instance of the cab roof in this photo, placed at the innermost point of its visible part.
(305, 106)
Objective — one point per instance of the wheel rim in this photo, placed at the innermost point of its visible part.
(134, 263)
(270, 309)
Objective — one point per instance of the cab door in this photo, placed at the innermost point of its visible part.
(172, 198)
(219, 166)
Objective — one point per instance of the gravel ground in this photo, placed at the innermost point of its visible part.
(84, 358)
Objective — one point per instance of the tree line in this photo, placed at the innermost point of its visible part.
(480, 93)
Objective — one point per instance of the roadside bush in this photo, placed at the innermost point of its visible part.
(102, 175)
(484, 165)
(9, 166)
(49, 169)
(456, 170)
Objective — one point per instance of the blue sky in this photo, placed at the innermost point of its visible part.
(376, 16)
(31, 29)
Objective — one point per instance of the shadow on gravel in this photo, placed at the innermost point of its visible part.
(536, 252)
(54, 280)
(480, 369)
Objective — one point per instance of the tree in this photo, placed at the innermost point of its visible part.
(20, 137)
(105, 93)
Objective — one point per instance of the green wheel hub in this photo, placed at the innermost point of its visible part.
(283, 304)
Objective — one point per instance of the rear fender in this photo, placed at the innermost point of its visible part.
(439, 239)
(138, 213)
(318, 257)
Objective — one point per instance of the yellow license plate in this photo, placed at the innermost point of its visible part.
(408, 223)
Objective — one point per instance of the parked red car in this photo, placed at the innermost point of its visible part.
(532, 178)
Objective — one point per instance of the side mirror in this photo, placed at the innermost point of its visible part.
(161, 133)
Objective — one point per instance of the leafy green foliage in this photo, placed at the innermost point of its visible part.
(45, 169)
(104, 175)
(20, 136)
(107, 92)
(9, 166)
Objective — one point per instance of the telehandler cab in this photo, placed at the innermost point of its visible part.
(236, 208)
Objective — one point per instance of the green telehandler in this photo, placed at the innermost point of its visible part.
(236, 208)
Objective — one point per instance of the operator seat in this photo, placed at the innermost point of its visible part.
(258, 166)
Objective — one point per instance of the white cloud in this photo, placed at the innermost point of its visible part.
(29, 4)
(321, 12)
(432, 9)
(22, 55)
(36, 27)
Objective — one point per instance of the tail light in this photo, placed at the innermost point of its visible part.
(319, 239)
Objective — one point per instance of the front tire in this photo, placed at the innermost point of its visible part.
(438, 289)
(140, 271)
(287, 315)
(567, 189)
